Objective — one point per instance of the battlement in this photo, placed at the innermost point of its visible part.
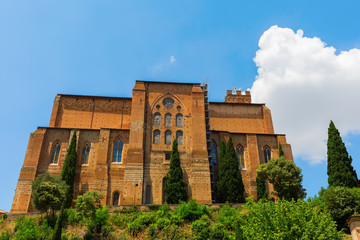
(238, 97)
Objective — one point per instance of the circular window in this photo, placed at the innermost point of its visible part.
(157, 106)
(178, 108)
(168, 102)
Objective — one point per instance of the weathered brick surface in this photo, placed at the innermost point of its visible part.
(100, 121)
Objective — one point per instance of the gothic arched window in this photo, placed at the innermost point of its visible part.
(157, 119)
(240, 156)
(179, 137)
(168, 137)
(179, 120)
(168, 120)
(85, 154)
(213, 154)
(55, 152)
(118, 146)
(116, 197)
(148, 194)
(156, 137)
(267, 154)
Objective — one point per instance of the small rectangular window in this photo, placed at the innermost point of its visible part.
(167, 156)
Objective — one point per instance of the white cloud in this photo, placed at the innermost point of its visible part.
(161, 66)
(305, 84)
(172, 59)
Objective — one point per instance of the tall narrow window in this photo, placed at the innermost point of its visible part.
(179, 137)
(240, 156)
(156, 137)
(55, 152)
(118, 146)
(148, 194)
(168, 120)
(85, 154)
(179, 120)
(116, 197)
(157, 119)
(267, 154)
(168, 137)
(213, 154)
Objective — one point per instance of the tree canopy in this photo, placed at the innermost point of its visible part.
(230, 185)
(48, 193)
(285, 176)
(339, 169)
(175, 188)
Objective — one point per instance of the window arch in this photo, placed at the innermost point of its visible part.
(118, 146)
(179, 137)
(156, 137)
(85, 154)
(267, 154)
(213, 154)
(157, 119)
(168, 120)
(116, 197)
(168, 137)
(179, 120)
(240, 156)
(55, 152)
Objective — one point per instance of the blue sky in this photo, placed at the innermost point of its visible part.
(102, 47)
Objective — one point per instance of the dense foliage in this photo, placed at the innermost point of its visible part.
(281, 151)
(339, 168)
(261, 187)
(175, 188)
(48, 193)
(341, 203)
(69, 169)
(285, 220)
(230, 185)
(285, 177)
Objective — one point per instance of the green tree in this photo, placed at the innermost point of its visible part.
(69, 170)
(261, 187)
(285, 176)
(48, 193)
(68, 175)
(341, 203)
(230, 184)
(87, 204)
(175, 188)
(281, 151)
(339, 169)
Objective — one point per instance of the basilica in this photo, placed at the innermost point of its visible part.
(124, 144)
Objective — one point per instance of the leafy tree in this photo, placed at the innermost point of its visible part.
(285, 220)
(69, 170)
(230, 184)
(341, 203)
(175, 188)
(87, 204)
(339, 168)
(281, 151)
(48, 193)
(285, 176)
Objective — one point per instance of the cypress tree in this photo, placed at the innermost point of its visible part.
(175, 188)
(281, 151)
(67, 175)
(230, 184)
(339, 169)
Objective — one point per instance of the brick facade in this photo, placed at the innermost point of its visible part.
(157, 113)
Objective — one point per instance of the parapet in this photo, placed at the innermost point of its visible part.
(238, 97)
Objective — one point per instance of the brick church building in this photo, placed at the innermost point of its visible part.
(124, 144)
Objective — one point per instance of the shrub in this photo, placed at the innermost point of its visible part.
(200, 228)
(152, 230)
(5, 236)
(29, 229)
(87, 204)
(219, 232)
(191, 210)
(163, 223)
(154, 207)
(285, 220)
(341, 203)
(227, 217)
(140, 223)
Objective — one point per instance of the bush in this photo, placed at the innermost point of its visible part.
(5, 236)
(152, 230)
(285, 220)
(140, 223)
(163, 223)
(227, 217)
(29, 229)
(154, 207)
(341, 203)
(219, 232)
(191, 211)
(200, 228)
